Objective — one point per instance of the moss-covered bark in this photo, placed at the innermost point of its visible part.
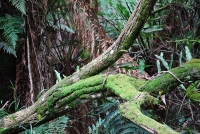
(60, 100)
(192, 92)
(118, 48)
(132, 111)
(183, 74)
(57, 101)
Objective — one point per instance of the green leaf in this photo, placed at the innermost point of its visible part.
(158, 66)
(11, 26)
(141, 66)
(130, 68)
(180, 58)
(188, 54)
(163, 60)
(8, 48)
(154, 28)
(58, 76)
(171, 62)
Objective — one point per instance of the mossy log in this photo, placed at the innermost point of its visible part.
(185, 74)
(60, 100)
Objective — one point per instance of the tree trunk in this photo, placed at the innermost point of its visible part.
(37, 69)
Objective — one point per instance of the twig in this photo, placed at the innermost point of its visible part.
(104, 81)
(181, 104)
(174, 76)
(191, 111)
(5, 105)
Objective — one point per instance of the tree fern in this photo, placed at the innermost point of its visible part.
(11, 26)
(19, 4)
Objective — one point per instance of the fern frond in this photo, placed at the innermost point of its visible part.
(19, 4)
(164, 62)
(96, 128)
(114, 123)
(106, 106)
(11, 26)
(56, 127)
(8, 48)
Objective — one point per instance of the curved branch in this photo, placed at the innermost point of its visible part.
(62, 99)
(118, 48)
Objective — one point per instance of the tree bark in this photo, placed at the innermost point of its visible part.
(60, 100)
(35, 61)
(119, 47)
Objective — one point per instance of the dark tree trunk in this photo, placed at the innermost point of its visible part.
(35, 54)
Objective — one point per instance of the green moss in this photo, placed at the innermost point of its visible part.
(192, 92)
(64, 85)
(39, 117)
(2, 130)
(50, 105)
(85, 83)
(46, 108)
(138, 83)
(76, 94)
(131, 110)
(166, 81)
(121, 85)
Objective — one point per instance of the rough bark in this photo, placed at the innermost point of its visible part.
(60, 100)
(35, 62)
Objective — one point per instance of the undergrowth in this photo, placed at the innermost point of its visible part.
(112, 122)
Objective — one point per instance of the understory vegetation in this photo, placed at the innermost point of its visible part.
(50, 41)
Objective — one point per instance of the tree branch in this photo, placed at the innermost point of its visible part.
(60, 100)
(118, 48)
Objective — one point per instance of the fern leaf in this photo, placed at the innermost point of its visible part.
(164, 62)
(158, 66)
(8, 48)
(114, 123)
(19, 4)
(11, 28)
(107, 106)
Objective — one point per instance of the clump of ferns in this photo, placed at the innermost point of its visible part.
(11, 26)
(113, 122)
